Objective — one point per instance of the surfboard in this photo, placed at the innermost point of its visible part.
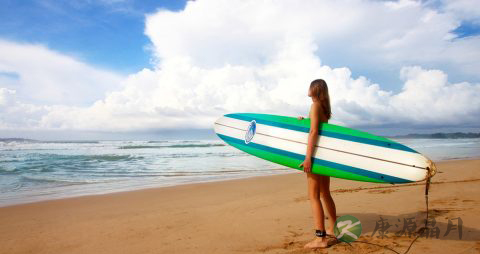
(340, 152)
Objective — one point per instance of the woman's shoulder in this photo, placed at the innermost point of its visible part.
(316, 106)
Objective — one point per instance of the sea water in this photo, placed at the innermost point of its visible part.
(444, 149)
(33, 171)
(42, 170)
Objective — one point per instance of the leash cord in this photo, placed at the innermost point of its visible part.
(421, 230)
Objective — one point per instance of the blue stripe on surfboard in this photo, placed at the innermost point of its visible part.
(331, 134)
(330, 164)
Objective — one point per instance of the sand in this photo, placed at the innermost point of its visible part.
(266, 214)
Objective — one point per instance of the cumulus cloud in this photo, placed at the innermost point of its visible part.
(463, 9)
(15, 114)
(380, 35)
(217, 57)
(43, 76)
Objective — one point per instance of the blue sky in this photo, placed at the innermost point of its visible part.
(125, 66)
(110, 33)
(467, 29)
(107, 33)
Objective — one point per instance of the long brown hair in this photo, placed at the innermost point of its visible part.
(319, 90)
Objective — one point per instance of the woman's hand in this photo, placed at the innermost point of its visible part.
(307, 165)
(300, 118)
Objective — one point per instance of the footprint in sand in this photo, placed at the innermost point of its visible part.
(385, 191)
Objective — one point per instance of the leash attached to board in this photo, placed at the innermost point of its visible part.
(432, 170)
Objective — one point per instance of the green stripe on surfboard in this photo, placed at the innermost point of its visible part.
(305, 123)
(293, 163)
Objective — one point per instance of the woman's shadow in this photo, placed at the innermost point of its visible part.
(440, 225)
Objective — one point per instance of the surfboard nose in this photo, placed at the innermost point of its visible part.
(216, 126)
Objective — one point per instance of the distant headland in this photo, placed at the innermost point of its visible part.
(440, 135)
(17, 140)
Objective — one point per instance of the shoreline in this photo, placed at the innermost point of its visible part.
(260, 214)
(291, 171)
(153, 187)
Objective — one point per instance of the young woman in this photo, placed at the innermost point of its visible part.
(318, 185)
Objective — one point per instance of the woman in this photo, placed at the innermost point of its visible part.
(318, 185)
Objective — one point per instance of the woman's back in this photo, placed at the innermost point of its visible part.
(322, 118)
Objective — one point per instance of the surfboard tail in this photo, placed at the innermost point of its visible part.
(432, 169)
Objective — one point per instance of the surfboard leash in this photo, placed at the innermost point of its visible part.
(432, 170)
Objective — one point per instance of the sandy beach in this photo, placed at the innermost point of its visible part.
(266, 214)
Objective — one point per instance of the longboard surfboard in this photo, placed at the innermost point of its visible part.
(340, 151)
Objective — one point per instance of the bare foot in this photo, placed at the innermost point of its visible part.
(318, 242)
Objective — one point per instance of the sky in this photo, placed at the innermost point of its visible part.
(125, 69)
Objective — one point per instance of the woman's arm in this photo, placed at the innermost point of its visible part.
(313, 134)
(312, 139)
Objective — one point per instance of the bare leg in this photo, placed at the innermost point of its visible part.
(327, 203)
(314, 187)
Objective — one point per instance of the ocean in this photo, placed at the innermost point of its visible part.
(43, 170)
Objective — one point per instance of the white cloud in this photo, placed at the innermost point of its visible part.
(382, 35)
(428, 98)
(463, 9)
(217, 57)
(5, 96)
(47, 77)
(17, 115)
